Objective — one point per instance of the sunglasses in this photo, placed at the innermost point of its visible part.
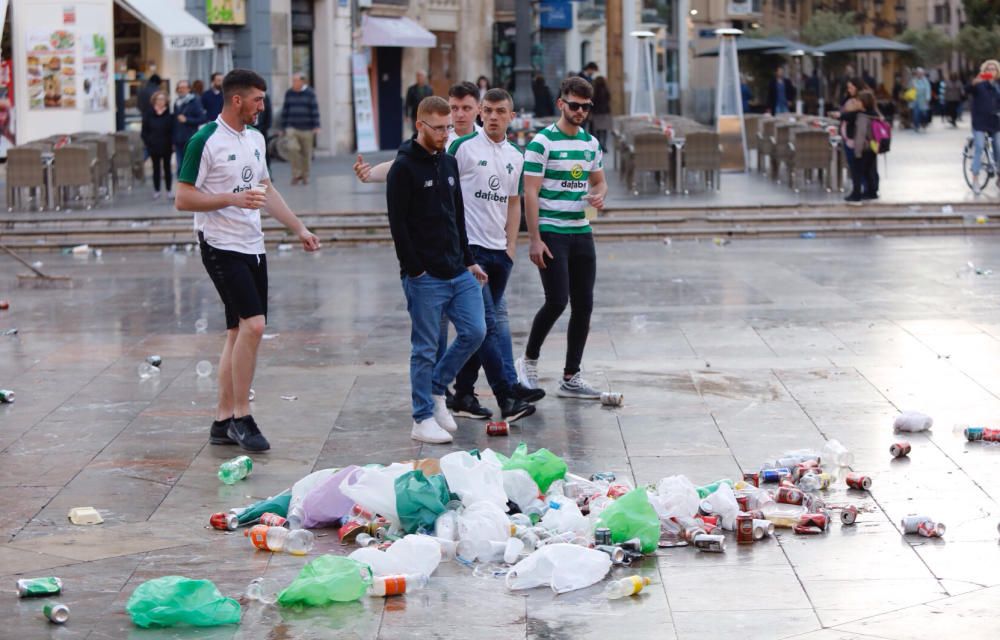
(576, 106)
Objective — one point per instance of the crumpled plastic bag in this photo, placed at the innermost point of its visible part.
(675, 496)
(420, 500)
(520, 488)
(912, 421)
(564, 516)
(374, 488)
(327, 579)
(176, 600)
(483, 521)
(326, 504)
(414, 554)
(474, 480)
(724, 505)
(543, 466)
(563, 567)
(632, 516)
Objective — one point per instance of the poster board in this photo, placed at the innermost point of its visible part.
(364, 117)
(95, 72)
(52, 69)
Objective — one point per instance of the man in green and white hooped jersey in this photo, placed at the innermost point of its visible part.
(563, 173)
(225, 182)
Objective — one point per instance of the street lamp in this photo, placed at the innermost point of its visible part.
(818, 59)
(644, 39)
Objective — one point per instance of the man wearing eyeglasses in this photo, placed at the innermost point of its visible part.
(439, 274)
(563, 172)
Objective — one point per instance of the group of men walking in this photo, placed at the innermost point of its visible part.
(454, 195)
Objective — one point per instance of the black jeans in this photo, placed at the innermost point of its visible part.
(568, 277)
(158, 162)
(864, 175)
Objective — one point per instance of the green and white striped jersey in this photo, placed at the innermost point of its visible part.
(565, 164)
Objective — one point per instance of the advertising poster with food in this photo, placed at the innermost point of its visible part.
(95, 72)
(51, 69)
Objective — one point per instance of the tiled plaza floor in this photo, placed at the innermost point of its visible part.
(726, 356)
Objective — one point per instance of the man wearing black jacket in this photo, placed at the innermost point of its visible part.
(427, 220)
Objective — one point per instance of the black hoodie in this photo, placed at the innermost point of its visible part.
(426, 213)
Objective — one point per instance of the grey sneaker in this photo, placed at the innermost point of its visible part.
(577, 387)
(527, 372)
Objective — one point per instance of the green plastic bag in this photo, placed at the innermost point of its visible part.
(420, 500)
(327, 579)
(709, 489)
(543, 466)
(278, 504)
(631, 516)
(176, 600)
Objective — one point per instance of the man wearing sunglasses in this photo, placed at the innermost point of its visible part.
(439, 274)
(563, 172)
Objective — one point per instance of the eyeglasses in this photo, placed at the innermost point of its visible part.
(448, 128)
(576, 106)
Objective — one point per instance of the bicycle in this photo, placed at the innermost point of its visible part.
(989, 165)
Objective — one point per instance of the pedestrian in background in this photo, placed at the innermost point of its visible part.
(265, 120)
(414, 95)
(985, 92)
(212, 100)
(601, 122)
(954, 93)
(780, 93)
(144, 99)
(921, 95)
(544, 105)
(189, 115)
(157, 135)
(483, 83)
(865, 179)
(300, 120)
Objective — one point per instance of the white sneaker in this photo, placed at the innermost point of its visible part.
(429, 431)
(156, 195)
(577, 387)
(527, 372)
(443, 416)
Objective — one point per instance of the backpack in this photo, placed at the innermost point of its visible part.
(881, 136)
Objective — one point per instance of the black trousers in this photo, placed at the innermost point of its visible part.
(161, 162)
(864, 175)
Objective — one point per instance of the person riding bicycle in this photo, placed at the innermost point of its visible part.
(985, 92)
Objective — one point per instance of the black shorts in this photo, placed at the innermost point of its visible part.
(241, 280)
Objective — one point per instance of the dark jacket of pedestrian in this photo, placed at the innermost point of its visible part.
(301, 110)
(145, 95)
(414, 95)
(212, 101)
(194, 116)
(985, 104)
(427, 214)
(544, 104)
(772, 94)
(158, 132)
(265, 119)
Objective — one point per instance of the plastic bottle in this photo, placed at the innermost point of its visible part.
(810, 482)
(203, 369)
(146, 370)
(299, 542)
(836, 455)
(263, 590)
(232, 471)
(625, 587)
(446, 526)
(397, 585)
(783, 515)
(267, 538)
(365, 540)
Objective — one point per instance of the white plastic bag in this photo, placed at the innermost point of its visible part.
(564, 516)
(724, 505)
(564, 567)
(519, 487)
(675, 496)
(299, 492)
(912, 421)
(483, 521)
(474, 480)
(374, 488)
(413, 554)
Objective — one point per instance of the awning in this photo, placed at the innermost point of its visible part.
(395, 32)
(180, 29)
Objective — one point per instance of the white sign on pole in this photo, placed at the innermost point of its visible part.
(364, 119)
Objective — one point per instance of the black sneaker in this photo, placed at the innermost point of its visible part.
(521, 392)
(513, 409)
(467, 406)
(219, 434)
(246, 434)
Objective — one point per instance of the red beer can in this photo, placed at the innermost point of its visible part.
(360, 513)
(498, 428)
(272, 520)
(991, 435)
(849, 515)
(789, 495)
(900, 449)
(859, 481)
(819, 520)
(617, 490)
(744, 502)
(224, 521)
(751, 478)
(744, 529)
(350, 530)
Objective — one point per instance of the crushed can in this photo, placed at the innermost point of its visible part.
(849, 515)
(603, 476)
(498, 428)
(858, 481)
(633, 546)
(751, 478)
(710, 543)
(771, 476)
(617, 554)
(816, 520)
(360, 513)
(224, 521)
(744, 529)
(612, 399)
(602, 536)
(7, 396)
(273, 520)
(348, 532)
(56, 612)
(710, 521)
(38, 587)
(693, 532)
(900, 449)
(973, 434)
(789, 495)
(743, 502)
(931, 529)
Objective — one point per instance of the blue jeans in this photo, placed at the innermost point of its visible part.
(979, 142)
(427, 299)
(496, 354)
(918, 116)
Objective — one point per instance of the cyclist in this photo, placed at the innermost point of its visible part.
(985, 92)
